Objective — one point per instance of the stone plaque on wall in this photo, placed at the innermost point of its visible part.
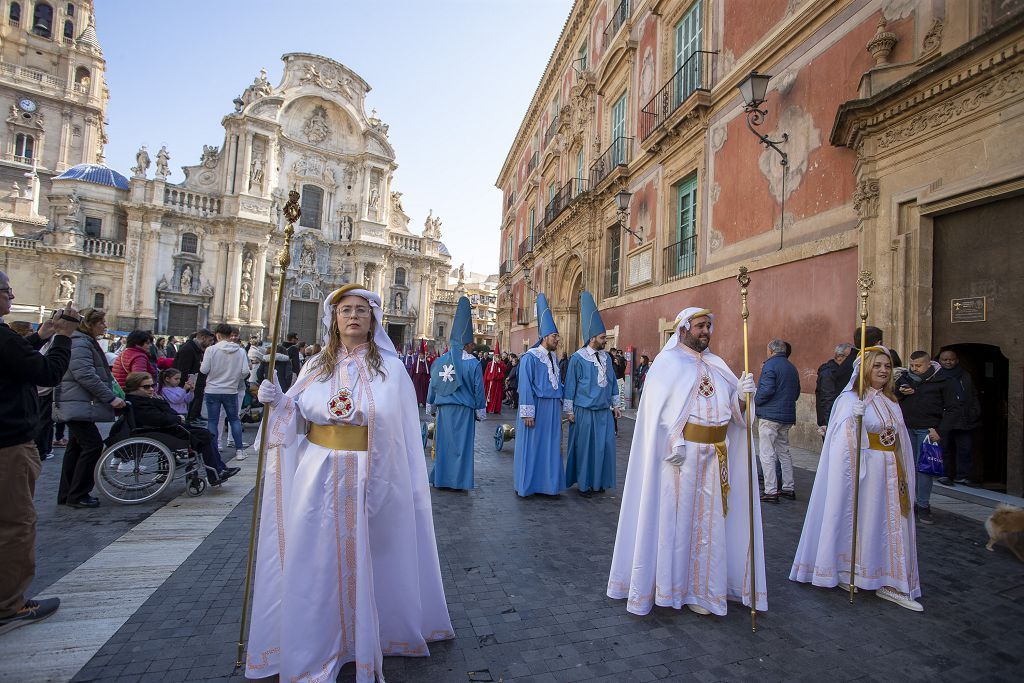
(639, 268)
(967, 310)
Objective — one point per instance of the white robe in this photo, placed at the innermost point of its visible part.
(347, 568)
(886, 541)
(674, 546)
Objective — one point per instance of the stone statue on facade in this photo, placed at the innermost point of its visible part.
(75, 212)
(142, 163)
(432, 226)
(247, 263)
(186, 280)
(396, 202)
(346, 228)
(163, 168)
(65, 289)
(368, 278)
(243, 298)
(307, 261)
(210, 157)
(374, 198)
(316, 129)
(256, 172)
(398, 302)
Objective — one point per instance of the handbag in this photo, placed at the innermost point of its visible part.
(929, 461)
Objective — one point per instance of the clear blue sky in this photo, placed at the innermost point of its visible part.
(452, 78)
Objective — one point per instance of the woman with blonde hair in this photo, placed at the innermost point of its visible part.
(347, 566)
(886, 540)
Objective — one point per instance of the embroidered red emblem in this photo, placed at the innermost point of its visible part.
(706, 388)
(341, 405)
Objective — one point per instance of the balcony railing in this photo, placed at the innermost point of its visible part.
(693, 75)
(618, 18)
(681, 259)
(572, 189)
(444, 296)
(192, 203)
(549, 134)
(19, 159)
(511, 200)
(522, 316)
(505, 268)
(534, 161)
(406, 243)
(619, 153)
(18, 243)
(525, 247)
(98, 247)
(22, 73)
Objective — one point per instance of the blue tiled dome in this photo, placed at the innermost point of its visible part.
(443, 250)
(95, 173)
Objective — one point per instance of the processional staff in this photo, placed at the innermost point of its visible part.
(291, 214)
(744, 281)
(864, 283)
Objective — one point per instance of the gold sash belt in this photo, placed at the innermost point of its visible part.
(875, 444)
(705, 434)
(339, 437)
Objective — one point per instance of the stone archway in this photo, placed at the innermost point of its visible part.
(567, 300)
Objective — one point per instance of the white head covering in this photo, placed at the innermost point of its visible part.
(683, 320)
(381, 337)
(856, 365)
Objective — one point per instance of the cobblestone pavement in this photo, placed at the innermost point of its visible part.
(525, 581)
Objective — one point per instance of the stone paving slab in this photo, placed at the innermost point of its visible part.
(525, 581)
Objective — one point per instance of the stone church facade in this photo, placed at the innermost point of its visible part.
(175, 257)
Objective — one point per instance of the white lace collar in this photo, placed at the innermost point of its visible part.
(597, 358)
(545, 356)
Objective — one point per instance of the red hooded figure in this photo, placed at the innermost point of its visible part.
(494, 381)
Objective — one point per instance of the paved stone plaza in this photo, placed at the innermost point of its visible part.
(525, 582)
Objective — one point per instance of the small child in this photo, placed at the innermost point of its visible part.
(176, 396)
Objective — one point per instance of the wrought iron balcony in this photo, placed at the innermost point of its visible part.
(619, 153)
(549, 134)
(681, 259)
(511, 200)
(694, 75)
(534, 161)
(525, 247)
(572, 189)
(504, 268)
(615, 22)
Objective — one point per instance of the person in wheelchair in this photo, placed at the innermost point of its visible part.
(154, 415)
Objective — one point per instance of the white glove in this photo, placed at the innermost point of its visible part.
(746, 384)
(269, 393)
(429, 408)
(859, 408)
(678, 455)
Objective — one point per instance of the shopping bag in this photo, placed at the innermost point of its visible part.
(930, 459)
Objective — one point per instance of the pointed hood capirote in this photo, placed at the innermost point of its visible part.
(545, 320)
(590, 319)
(462, 326)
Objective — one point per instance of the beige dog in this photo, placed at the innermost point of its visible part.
(1007, 525)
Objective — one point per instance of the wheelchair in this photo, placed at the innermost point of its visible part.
(140, 463)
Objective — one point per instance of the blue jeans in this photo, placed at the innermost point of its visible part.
(923, 481)
(230, 404)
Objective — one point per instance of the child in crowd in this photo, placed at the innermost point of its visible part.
(177, 397)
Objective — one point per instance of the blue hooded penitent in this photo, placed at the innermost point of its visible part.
(462, 326)
(590, 320)
(448, 367)
(545, 320)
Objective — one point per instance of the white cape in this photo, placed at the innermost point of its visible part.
(347, 568)
(652, 562)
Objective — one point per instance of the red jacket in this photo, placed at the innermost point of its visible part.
(132, 360)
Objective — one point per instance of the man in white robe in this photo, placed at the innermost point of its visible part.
(683, 534)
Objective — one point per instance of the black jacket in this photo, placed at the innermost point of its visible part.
(152, 413)
(293, 353)
(845, 371)
(965, 413)
(22, 369)
(619, 366)
(826, 391)
(929, 406)
(188, 358)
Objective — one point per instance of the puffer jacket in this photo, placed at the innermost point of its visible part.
(85, 392)
(132, 359)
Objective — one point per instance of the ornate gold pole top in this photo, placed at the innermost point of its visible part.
(865, 282)
(292, 212)
(744, 281)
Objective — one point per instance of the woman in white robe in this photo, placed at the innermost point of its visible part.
(886, 540)
(347, 567)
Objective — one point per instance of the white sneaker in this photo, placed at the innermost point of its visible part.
(128, 467)
(697, 609)
(240, 454)
(901, 599)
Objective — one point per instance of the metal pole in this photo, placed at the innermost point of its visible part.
(292, 213)
(864, 283)
(744, 281)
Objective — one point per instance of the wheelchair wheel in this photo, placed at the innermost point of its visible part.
(135, 470)
(196, 486)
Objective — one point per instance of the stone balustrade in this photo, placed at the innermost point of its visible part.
(19, 243)
(407, 243)
(444, 296)
(97, 247)
(192, 203)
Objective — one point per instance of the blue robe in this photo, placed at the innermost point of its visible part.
(538, 460)
(455, 424)
(590, 457)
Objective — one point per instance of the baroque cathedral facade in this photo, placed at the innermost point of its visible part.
(175, 257)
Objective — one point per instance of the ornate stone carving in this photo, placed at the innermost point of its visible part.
(804, 138)
(882, 43)
(326, 79)
(396, 202)
(316, 129)
(142, 163)
(186, 280)
(66, 288)
(210, 156)
(163, 168)
(865, 198)
(932, 39)
(716, 240)
(310, 166)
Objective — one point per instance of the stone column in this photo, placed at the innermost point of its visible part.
(259, 279)
(65, 140)
(246, 164)
(421, 322)
(148, 278)
(234, 283)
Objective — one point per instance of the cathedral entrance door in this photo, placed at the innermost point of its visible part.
(182, 319)
(397, 334)
(304, 320)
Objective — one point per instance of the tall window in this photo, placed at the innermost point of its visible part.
(579, 172)
(614, 251)
(82, 76)
(533, 216)
(399, 276)
(551, 192)
(93, 226)
(14, 13)
(619, 131)
(98, 300)
(312, 200)
(42, 20)
(189, 243)
(71, 10)
(687, 43)
(684, 261)
(69, 29)
(24, 146)
(583, 57)
(508, 251)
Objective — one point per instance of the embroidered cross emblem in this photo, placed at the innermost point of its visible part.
(341, 405)
(706, 388)
(448, 373)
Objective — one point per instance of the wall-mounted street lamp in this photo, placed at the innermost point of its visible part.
(622, 212)
(754, 91)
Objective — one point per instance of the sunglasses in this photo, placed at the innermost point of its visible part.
(146, 386)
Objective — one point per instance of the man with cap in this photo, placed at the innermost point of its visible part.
(591, 399)
(456, 395)
(537, 462)
(683, 532)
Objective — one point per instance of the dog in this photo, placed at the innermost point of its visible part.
(1007, 525)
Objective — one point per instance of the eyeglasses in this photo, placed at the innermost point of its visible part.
(7, 290)
(354, 312)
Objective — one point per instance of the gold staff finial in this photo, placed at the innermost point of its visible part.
(744, 279)
(865, 282)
